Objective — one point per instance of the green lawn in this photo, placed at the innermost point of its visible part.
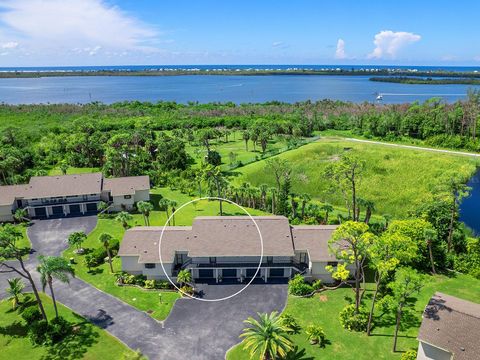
(323, 309)
(102, 278)
(395, 179)
(74, 170)
(90, 342)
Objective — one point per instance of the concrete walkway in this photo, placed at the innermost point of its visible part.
(194, 329)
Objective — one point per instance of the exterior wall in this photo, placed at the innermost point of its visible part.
(142, 195)
(242, 260)
(429, 352)
(63, 200)
(6, 213)
(120, 201)
(130, 265)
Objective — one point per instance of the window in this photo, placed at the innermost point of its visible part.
(127, 197)
(150, 266)
(332, 263)
(213, 260)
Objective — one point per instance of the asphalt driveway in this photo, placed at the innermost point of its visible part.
(194, 330)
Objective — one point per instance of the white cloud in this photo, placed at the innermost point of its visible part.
(340, 52)
(388, 43)
(53, 26)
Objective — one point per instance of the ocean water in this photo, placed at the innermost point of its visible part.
(218, 88)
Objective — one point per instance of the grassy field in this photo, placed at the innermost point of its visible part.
(73, 170)
(323, 309)
(101, 277)
(395, 179)
(90, 342)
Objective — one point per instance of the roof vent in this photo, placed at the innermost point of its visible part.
(462, 348)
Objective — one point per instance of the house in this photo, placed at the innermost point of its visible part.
(450, 329)
(47, 196)
(229, 249)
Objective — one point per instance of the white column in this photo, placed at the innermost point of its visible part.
(216, 275)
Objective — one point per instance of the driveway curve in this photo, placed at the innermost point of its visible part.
(194, 329)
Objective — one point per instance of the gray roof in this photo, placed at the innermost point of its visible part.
(314, 239)
(8, 193)
(215, 236)
(126, 185)
(452, 324)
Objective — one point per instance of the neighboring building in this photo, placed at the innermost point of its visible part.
(450, 329)
(47, 196)
(228, 248)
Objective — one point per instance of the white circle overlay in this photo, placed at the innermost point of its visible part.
(219, 199)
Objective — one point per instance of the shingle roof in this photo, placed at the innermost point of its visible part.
(126, 185)
(8, 193)
(64, 185)
(452, 324)
(226, 236)
(314, 239)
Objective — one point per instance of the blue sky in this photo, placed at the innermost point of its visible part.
(109, 32)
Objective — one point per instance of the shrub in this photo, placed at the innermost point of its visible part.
(290, 322)
(186, 289)
(140, 280)
(315, 335)
(162, 284)
(37, 332)
(129, 279)
(58, 329)
(99, 254)
(352, 321)
(149, 284)
(298, 286)
(317, 284)
(409, 355)
(31, 314)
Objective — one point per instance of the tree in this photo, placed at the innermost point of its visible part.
(305, 199)
(407, 283)
(430, 237)
(9, 235)
(124, 217)
(216, 182)
(184, 277)
(386, 253)
(279, 168)
(20, 215)
(145, 208)
(350, 242)
(15, 288)
(171, 153)
(173, 204)
(64, 167)
(246, 137)
(345, 174)
(457, 190)
(163, 205)
(51, 267)
(106, 239)
(213, 158)
(266, 338)
(76, 239)
(328, 209)
(283, 195)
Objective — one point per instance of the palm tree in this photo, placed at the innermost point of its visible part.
(20, 215)
(124, 217)
(246, 137)
(184, 277)
(145, 208)
(173, 204)
(105, 239)
(305, 199)
(54, 267)
(430, 235)
(328, 209)
(76, 239)
(273, 192)
(16, 286)
(263, 193)
(266, 338)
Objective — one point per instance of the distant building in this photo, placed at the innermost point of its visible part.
(228, 249)
(56, 196)
(450, 329)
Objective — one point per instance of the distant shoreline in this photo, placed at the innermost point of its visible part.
(382, 75)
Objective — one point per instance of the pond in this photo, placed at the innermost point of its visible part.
(470, 207)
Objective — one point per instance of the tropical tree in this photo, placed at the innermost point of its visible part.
(76, 239)
(184, 277)
(407, 283)
(305, 198)
(20, 215)
(457, 190)
(15, 288)
(124, 217)
(64, 167)
(216, 182)
(106, 240)
(145, 208)
(54, 267)
(430, 238)
(328, 209)
(350, 242)
(386, 253)
(267, 337)
(11, 254)
(173, 205)
(246, 137)
(163, 205)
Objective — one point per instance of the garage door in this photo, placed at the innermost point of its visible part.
(92, 207)
(74, 209)
(40, 212)
(205, 273)
(57, 210)
(229, 273)
(277, 272)
(251, 273)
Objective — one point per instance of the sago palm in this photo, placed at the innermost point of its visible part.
(54, 267)
(15, 288)
(267, 337)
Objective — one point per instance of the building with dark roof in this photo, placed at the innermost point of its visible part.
(450, 329)
(47, 196)
(229, 248)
